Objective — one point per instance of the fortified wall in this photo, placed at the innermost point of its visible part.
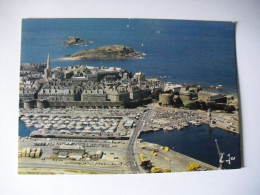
(88, 105)
(28, 104)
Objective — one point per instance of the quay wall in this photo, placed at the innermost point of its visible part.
(80, 137)
(204, 122)
(221, 126)
(46, 103)
(178, 156)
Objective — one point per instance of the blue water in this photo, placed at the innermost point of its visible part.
(199, 143)
(23, 130)
(196, 52)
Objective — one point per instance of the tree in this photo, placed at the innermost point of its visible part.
(203, 105)
(178, 102)
(156, 94)
(229, 109)
(193, 105)
(126, 103)
(197, 105)
(69, 75)
(215, 106)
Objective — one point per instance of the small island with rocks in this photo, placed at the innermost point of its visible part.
(73, 40)
(106, 52)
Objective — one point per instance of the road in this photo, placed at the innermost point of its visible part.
(130, 158)
(74, 167)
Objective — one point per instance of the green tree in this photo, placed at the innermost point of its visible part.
(178, 102)
(203, 105)
(69, 75)
(193, 105)
(126, 103)
(229, 109)
(156, 94)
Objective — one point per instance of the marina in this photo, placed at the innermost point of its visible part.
(170, 119)
(63, 124)
(78, 122)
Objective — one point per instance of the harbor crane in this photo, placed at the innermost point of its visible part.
(220, 154)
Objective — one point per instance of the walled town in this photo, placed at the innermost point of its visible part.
(88, 120)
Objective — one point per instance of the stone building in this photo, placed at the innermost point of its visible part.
(173, 88)
(125, 76)
(107, 75)
(27, 94)
(79, 78)
(28, 89)
(166, 99)
(204, 95)
(230, 99)
(39, 67)
(116, 94)
(57, 94)
(93, 95)
(140, 77)
(58, 74)
(135, 93)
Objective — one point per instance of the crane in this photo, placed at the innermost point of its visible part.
(220, 154)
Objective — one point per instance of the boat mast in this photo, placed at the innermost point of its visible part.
(220, 154)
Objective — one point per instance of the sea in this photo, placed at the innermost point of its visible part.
(178, 51)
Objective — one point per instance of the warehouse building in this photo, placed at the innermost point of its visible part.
(68, 151)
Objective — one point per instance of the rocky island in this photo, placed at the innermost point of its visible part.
(72, 40)
(106, 52)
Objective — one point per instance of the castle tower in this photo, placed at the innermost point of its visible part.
(47, 70)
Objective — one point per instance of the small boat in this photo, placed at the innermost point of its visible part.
(198, 123)
(79, 127)
(167, 128)
(29, 125)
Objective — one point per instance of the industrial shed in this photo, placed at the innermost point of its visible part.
(129, 123)
(71, 151)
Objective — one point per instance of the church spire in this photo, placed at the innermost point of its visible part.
(48, 62)
(47, 70)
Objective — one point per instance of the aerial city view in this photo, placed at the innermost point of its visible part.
(127, 96)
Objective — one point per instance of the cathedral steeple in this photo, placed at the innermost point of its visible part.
(47, 70)
(48, 62)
